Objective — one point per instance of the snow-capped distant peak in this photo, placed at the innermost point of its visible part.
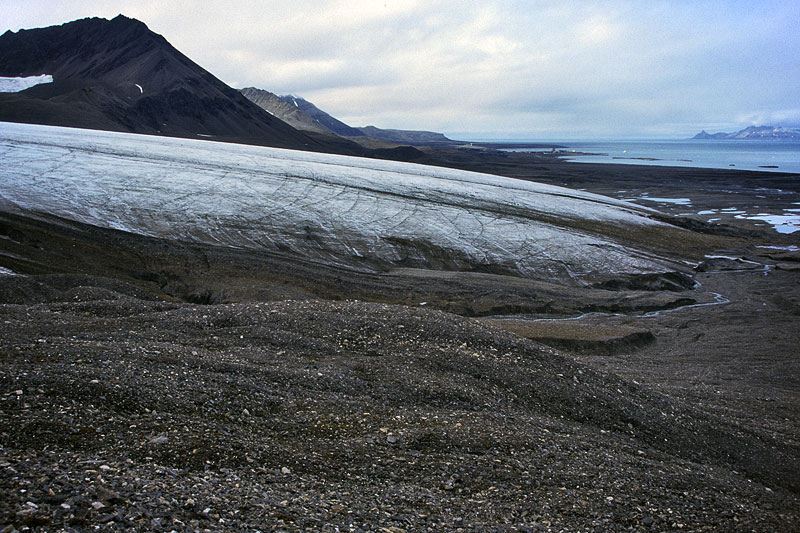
(15, 85)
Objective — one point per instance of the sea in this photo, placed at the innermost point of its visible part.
(769, 156)
(774, 156)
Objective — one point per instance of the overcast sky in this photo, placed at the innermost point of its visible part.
(544, 70)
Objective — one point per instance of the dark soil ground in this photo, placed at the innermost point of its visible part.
(148, 385)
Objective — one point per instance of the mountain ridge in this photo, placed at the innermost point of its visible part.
(413, 137)
(754, 133)
(118, 75)
(299, 113)
(304, 115)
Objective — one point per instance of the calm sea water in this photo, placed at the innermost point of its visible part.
(742, 155)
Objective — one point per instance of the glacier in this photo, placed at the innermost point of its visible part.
(344, 210)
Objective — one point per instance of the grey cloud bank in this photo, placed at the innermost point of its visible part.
(496, 69)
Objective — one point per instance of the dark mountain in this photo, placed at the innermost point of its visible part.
(299, 113)
(118, 75)
(286, 111)
(321, 117)
(305, 116)
(755, 133)
(421, 138)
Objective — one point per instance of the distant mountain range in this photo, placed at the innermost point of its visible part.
(299, 113)
(755, 133)
(304, 115)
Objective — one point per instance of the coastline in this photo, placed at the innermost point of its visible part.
(777, 156)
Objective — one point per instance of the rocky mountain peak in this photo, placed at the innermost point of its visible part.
(119, 75)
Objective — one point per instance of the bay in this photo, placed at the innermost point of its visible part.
(774, 156)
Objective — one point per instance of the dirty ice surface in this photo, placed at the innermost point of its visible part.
(15, 85)
(333, 208)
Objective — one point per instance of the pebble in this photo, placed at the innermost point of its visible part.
(434, 443)
(160, 439)
(103, 519)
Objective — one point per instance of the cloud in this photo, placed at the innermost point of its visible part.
(514, 67)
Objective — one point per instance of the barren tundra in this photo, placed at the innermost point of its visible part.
(200, 336)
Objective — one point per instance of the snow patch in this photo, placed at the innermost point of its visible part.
(788, 248)
(141, 91)
(15, 85)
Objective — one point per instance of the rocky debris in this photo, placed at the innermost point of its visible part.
(213, 274)
(666, 281)
(721, 263)
(783, 259)
(577, 335)
(361, 417)
(792, 256)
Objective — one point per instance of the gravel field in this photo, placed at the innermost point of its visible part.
(124, 412)
(151, 385)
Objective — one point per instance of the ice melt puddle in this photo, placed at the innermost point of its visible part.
(15, 85)
(780, 223)
(676, 201)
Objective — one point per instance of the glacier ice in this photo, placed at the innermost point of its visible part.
(340, 209)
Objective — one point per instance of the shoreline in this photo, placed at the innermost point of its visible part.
(669, 153)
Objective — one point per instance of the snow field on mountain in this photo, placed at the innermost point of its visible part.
(15, 85)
